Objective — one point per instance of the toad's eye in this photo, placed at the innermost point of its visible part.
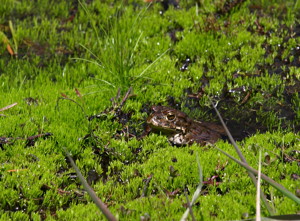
(171, 117)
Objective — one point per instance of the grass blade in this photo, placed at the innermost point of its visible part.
(277, 186)
(258, 218)
(243, 159)
(91, 192)
(150, 65)
(196, 193)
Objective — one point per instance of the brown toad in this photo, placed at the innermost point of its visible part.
(180, 129)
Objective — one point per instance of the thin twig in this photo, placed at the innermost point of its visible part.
(8, 107)
(147, 182)
(125, 97)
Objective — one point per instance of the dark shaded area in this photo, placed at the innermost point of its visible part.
(32, 139)
(242, 115)
(93, 177)
(184, 65)
(172, 32)
(29, 141)
(167, 3)
(228, 6)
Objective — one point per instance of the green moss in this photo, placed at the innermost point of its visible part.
(244, 57)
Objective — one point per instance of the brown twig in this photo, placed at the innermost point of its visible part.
(147, 182)
(127, 95)
(8, 107)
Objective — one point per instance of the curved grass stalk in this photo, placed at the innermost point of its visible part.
(90, 61)
(150, 65)
(106, 82)
(90, 52)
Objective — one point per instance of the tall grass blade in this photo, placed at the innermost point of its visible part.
(91, 192)
(258, 218)
(277, 186)
(243, 159)
(297, 4)
(196, 193)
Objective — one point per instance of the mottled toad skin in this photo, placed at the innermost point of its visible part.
(182, 130)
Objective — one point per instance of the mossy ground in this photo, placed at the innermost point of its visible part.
(243, 54)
